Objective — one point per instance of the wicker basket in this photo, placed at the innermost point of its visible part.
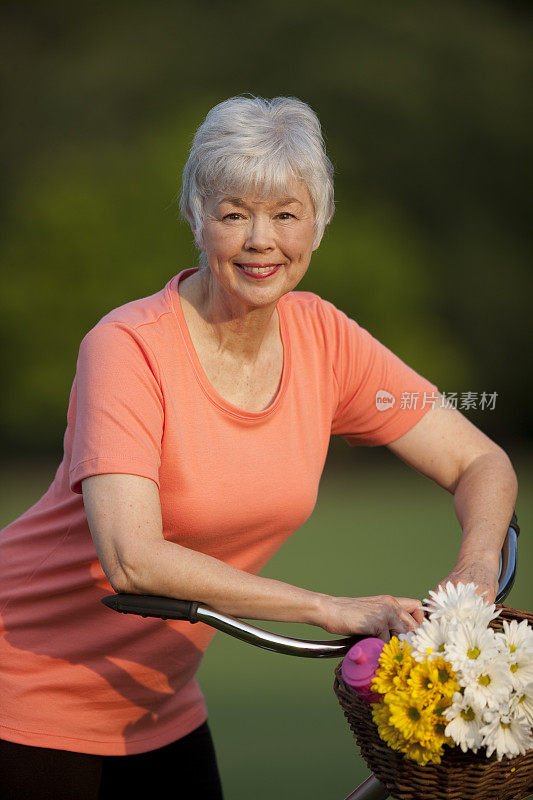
(459, 776)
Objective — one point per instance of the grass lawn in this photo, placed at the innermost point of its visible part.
(378, 528)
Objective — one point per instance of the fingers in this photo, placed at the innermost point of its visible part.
(402, 623)
(382, 616)
(414, 608)
(410, 604)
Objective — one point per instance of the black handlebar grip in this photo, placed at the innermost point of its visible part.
(146, 605)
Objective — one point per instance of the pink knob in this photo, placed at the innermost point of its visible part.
(359, 666)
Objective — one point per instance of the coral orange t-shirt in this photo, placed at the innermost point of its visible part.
(75, 675)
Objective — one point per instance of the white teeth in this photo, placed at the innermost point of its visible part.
(259, 270)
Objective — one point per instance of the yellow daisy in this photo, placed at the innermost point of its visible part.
(440, 706)
(389, 734)
(446, 677)
(423, 682)
(410, 717)
(395, 663)
(431, 680)
(439, 738)
(383, 682)
(395, 654)
(423, 755)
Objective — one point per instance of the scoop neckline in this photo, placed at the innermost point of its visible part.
(199, 372)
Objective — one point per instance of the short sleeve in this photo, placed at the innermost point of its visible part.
(380, 396)
(119, 406)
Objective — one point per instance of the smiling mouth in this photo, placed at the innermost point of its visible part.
(266, 269)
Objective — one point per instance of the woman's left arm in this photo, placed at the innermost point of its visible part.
(450, 450)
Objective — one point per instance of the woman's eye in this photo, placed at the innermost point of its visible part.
(233, 216)
(285, 216)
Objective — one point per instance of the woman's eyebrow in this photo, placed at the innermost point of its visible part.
(286, 201)
(234, 201)
(239, 201)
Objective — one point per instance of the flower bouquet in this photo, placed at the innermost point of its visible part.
(453, 710)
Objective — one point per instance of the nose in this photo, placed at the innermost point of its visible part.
(259, 236)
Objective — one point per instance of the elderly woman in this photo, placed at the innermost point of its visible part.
(198, 426)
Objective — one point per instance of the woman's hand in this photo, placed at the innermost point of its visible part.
(482, 570)
(382, 616)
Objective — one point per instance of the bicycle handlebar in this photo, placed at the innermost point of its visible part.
(169, 608)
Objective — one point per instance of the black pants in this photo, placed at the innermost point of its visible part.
(183, 769)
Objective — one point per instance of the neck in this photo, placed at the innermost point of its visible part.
(234, 330)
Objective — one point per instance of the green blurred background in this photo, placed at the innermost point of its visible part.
(425, 108)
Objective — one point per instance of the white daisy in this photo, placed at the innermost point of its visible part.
(516, 636)
(521, 668)
(481, 616)
(464, 724)
(522, 703)
(507, 735)
(429, 639)
(470, 648)
(460, 602)
(489, 685)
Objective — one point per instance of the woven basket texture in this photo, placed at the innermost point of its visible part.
(459, 776)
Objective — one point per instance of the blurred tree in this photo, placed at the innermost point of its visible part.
(424, 107)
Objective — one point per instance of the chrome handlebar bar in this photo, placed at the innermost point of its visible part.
(169, 608)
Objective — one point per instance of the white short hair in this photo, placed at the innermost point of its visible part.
(249, 144)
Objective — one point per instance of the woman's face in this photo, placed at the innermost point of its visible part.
(257, 249)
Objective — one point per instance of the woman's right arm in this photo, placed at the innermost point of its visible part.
(124, 516)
